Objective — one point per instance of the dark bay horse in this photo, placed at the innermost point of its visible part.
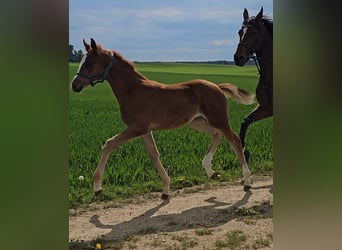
(146, 105)
(256, 36)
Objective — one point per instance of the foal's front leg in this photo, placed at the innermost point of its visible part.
(110, 145)
(152, 151)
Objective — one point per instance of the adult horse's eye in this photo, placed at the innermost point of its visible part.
(253, 32)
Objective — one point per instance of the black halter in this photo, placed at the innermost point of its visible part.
(102, 76)
(264, 83)
(252, 55)
(255, 58)
(250, 51)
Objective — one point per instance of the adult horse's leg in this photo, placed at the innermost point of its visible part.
(110, 145)
(235, 143)
(262, 111)
(152, 151)
(259, 113)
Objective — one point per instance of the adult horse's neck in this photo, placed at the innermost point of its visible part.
(265, 60)
(123, 78)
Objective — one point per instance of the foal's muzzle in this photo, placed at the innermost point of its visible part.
(75, 89)
(77, 85)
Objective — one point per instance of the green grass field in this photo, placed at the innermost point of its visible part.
(94, 117)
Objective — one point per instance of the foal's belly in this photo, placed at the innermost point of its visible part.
(172, 121)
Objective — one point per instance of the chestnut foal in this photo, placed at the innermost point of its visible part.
(146, 105)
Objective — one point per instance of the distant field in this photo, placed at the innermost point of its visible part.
(94, 117)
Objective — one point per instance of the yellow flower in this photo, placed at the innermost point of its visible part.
(98, 246)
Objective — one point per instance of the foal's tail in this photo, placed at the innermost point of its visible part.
(237, 94)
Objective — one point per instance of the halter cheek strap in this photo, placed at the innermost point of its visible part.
(102, 76)
(250, 51)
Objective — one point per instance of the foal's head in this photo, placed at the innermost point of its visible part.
(253, 35)
(93, 68)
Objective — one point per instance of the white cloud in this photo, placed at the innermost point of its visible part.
(225, 42)
(173, 29)
(168, 14)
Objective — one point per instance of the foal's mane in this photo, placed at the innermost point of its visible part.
(124, 62)
(127, 64)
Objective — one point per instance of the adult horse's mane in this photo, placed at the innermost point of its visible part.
(265, 20)
(268, 23)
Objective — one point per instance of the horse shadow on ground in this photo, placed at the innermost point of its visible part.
(214, 214)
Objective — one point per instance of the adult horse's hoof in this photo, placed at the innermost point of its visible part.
(165, 197)
(247, 155)
(97, 193)
(246, 188)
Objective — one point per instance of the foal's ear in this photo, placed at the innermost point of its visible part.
(245, 15)
(260, 14)
(86, 46)
(93, 45)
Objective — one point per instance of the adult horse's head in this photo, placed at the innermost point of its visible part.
(94, 67)
(252, 35)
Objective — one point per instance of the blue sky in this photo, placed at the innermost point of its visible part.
(162, 30)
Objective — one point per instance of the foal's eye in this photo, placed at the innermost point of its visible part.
(240, 32)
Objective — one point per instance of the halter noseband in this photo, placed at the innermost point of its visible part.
(102, 75)
(250, 51)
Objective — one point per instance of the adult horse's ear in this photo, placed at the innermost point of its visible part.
(260, 14)
(93, 45)
(245, 15)
(86, 46)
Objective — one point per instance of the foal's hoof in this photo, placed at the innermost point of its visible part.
(165, 197)
(246, 188)
(97, 193)
(215, 176)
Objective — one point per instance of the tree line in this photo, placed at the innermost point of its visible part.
(75, 56)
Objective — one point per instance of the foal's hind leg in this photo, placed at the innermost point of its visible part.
(235, 143)
(206, 163)
(152, 151)
(201, 124)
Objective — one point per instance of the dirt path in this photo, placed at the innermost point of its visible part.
(219, 217)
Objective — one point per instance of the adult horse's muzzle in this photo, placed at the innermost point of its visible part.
(243, 54)
(240, 60)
